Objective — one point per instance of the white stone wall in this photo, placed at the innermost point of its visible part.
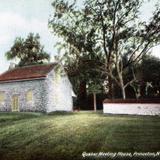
(132, 108)
(60, 93)
(20, 88)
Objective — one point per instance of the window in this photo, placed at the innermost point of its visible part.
(29, 96)
(2, 97)
(57, 75)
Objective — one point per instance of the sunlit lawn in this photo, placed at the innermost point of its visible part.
(35, 136)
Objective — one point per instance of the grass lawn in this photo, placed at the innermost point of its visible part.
(35, 136)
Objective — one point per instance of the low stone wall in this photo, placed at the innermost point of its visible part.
(132, 107)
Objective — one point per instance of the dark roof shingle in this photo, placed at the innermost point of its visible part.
(27, 72)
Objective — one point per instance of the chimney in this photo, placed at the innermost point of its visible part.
(12, 66)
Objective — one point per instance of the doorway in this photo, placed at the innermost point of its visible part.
(15, 103)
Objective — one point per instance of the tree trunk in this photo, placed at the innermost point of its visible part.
(82, 95)
(122, 87)
(123, 92)
(110, 86)
(94, 102)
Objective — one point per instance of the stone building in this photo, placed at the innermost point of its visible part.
(36, 88)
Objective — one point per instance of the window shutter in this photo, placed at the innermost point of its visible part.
(29, 96)
(2, 97)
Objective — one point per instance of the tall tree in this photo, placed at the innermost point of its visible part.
(122, 33)
(111, 28)
(82, 71)
(80, 57)
(28, 51)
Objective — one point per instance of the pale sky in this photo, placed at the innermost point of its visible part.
(19, 17)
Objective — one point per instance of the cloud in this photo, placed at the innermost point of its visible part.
(13, 25)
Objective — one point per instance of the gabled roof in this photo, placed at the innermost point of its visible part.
(27, 72)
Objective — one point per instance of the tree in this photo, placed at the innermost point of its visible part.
(110, 28)
(150, 71)
(79, 58)
(94, 87)
(122, 33)
(82, 71)
(28, 51)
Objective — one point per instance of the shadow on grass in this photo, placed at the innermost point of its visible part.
(11, 118)
(57, 113)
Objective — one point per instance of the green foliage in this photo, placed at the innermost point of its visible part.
(95, 86)
(106, 30)
(28, 51)
(82, 56)
(150, 69)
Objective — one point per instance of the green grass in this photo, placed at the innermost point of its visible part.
(35, 136)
